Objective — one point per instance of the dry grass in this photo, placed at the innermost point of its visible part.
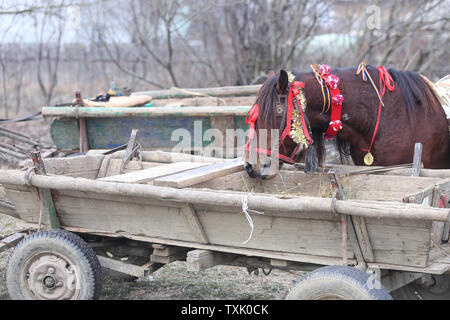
(174, 282)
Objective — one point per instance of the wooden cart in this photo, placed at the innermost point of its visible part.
(388, 235)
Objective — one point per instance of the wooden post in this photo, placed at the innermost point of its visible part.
(348, 227)
(444, 204)
(417, 162)
(83, 135)
(48, 207)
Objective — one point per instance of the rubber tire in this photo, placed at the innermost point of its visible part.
(347, 282)
(59, 241)
(414, 291)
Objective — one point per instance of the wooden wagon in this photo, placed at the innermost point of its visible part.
(389, 235)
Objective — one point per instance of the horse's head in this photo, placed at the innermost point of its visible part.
(282, 126)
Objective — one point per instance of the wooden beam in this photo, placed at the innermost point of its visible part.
(348, 226)
(168, 259)
(199, 260)
(202, 174)
(11, 241)
(230, 91)
(437, 227)
(93, 112)
(191, 216)
(130, 151)
(417, 162)
(83, 134)
(166, 251)
(299, 205)
(128, 268)
(146, 175)
(364, 238)
(48, 207)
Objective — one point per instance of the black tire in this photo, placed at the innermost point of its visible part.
(439, 290)
(338, 283)
(53, 264)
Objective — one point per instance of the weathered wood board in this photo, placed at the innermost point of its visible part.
(155, 132)
(287, 182)
(198, 175)
(149, 174)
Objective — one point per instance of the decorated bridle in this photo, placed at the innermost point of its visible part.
(292, 109)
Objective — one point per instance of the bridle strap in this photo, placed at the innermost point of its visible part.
(285, 125)
(386, 81)
(280, 156)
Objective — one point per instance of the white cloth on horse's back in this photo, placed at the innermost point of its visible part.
(442, 91)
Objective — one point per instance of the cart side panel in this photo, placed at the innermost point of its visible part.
(26, 200)
(396, 242)
(78, 166)
(361, 187)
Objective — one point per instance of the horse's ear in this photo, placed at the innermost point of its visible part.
(270, 74)
(283, 82)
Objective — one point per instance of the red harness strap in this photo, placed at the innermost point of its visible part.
(332, 81)
(386, 81)
(294, 91)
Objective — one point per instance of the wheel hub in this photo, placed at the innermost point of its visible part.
(51, 277)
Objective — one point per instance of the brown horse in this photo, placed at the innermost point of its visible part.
(411, 113)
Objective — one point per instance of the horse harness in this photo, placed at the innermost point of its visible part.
(291, 108)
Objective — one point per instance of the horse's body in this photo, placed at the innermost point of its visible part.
(411, 114)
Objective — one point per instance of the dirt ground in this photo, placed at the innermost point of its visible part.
(174, 282)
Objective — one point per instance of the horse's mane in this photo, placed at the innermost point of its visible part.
(267, 96)
(418, 95)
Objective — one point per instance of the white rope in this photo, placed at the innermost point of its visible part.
(245, 210)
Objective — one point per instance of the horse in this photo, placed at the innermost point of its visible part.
(374, 115)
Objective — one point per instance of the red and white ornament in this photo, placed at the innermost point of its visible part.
(332, 80)
(324, 69)
(337, 99)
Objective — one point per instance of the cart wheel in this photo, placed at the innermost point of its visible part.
(438, 290)
(52, 265)
(338, 283)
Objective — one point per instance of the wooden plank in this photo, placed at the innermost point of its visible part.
(191, 216)
(300, 205)
(73, 165)
(199, 260)
(166, 251)
(187, 111)
(363, 238)
(437, 228)
(48, 207)
(233, 91)
(287, 182)
(122, 267)
(11, 241)
(322, 260)
(417, 161)
(202, 174)
(146, 175)
(169, 259)
(113, 167)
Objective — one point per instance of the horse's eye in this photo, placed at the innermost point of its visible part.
(280, 109)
